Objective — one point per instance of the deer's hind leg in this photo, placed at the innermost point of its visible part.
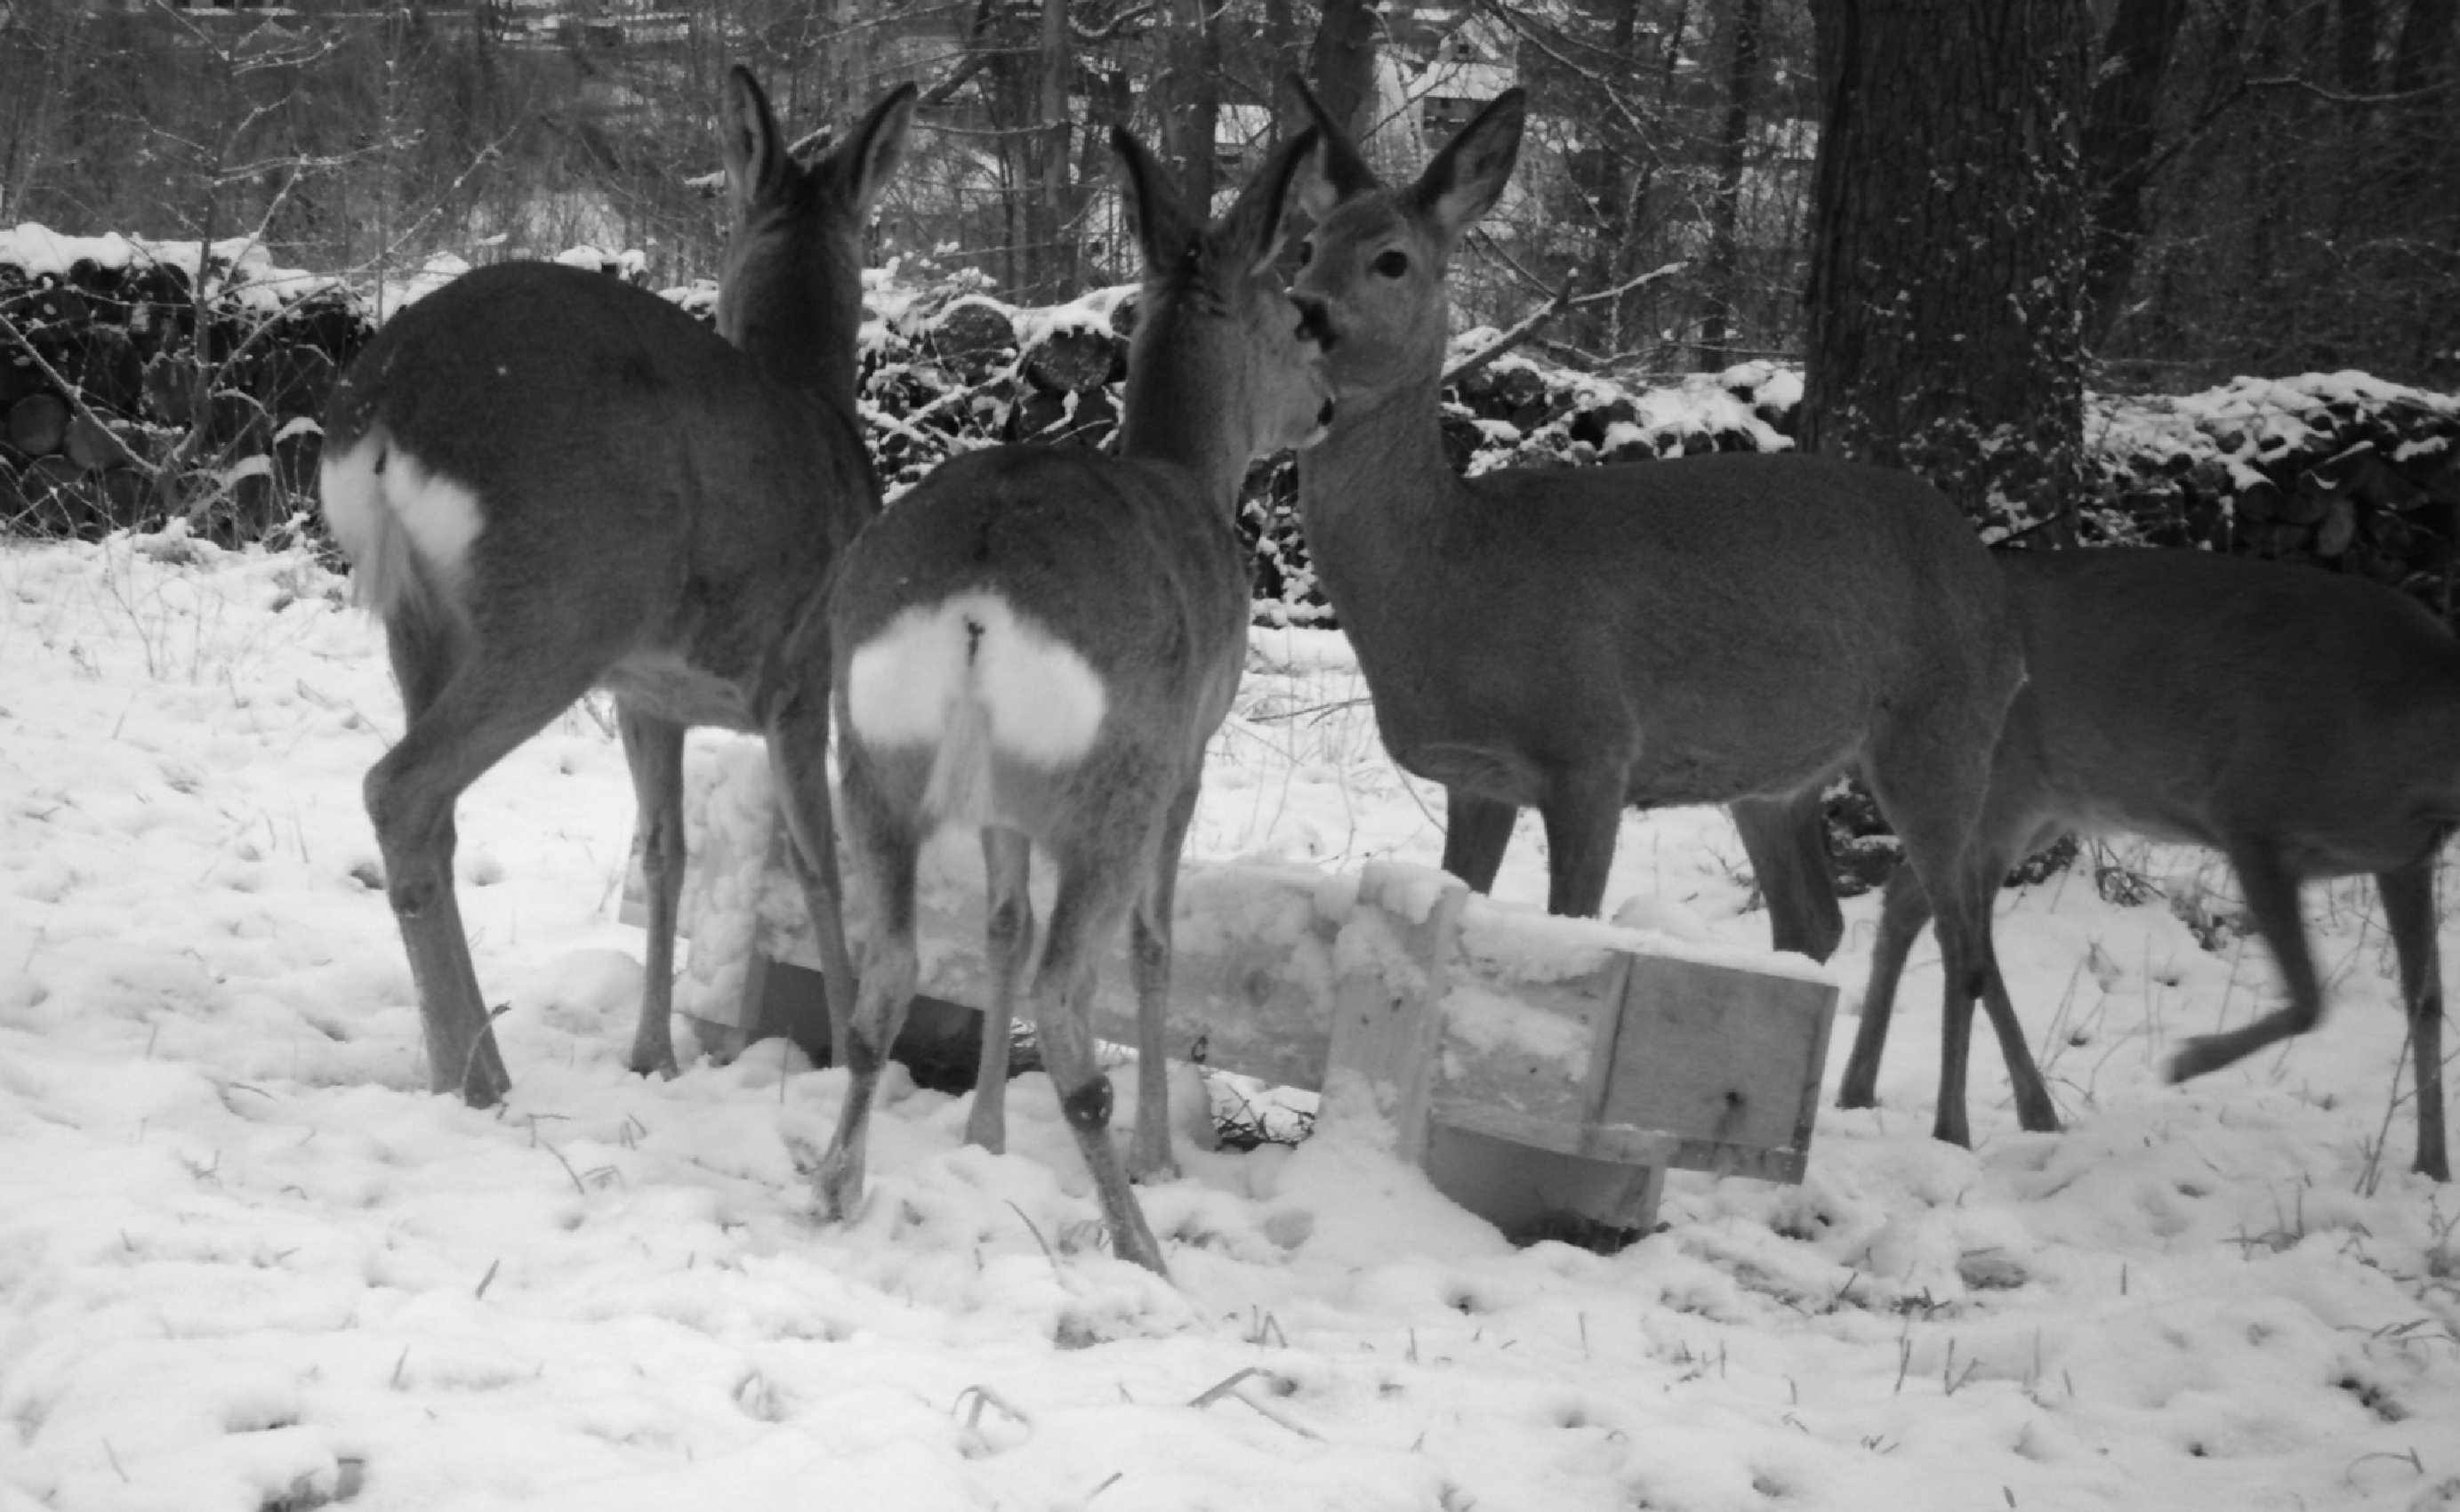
(1904, 907)
(798, 733)
(884, 851)
(467, 711)
(1097, 894)
(1149, 956)
(2409, 911)
(2272, 896)
(653, 748)
(1931, 774)
(1007, 946)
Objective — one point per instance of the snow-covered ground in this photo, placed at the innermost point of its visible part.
(245, 1263)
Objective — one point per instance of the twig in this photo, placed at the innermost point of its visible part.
(1227, 1387)
(1047, 1253)
(1563, 301)
(76, 395)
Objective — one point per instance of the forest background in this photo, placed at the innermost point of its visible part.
(2270, 187)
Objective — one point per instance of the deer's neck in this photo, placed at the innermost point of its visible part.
(801, 334)
(1178, 412)
(1375, 492)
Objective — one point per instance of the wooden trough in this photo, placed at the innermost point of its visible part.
(1536, 1068)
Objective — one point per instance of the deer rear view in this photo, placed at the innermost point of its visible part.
(548, 481)
(1037, 642)
(2304, 724)
(1724, 630)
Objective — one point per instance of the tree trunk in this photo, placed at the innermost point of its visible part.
(1948, 249)
(2118, 144)
(2424, 74)
(1287, 55)
(1192, 97)
(1050, 250)
(1722, 276)
(1342, 63)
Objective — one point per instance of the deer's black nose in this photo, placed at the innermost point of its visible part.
(1315, 320)
(1323, 416)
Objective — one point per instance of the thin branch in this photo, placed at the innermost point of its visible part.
(1113, 29)
(1528, 325)
(76, 395)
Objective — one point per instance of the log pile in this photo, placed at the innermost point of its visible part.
(122, 399)
(2340, 469)
(115, 413)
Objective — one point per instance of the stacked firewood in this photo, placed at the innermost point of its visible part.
(117, 413)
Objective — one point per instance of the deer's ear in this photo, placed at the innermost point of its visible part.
(1336, 171)
(872, 151)
(756, 152)
(1163, 232)
(1251, 234)
(1466, 178)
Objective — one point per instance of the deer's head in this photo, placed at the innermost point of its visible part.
(1211, 294)
(1371, 279)
(790, 287)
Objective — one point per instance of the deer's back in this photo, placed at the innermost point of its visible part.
(595, 421)
(1737, 622)
(1114, 557)
(2198, 698)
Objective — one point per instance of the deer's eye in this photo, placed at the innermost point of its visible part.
(1393, 263)
(1307, 252)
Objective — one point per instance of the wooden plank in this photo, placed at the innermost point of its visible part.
(1387, 1004)
(1251, 967)
(1616, 1141)
(1463, 1027)
(1721, 1058)
(1522, 1190)
(1531, 1014)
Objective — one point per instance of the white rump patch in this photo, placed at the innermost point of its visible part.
(377, 496)
(1043, 700)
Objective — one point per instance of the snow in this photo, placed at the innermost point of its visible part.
(251, 280)
(247, 1263)
(2249, 419)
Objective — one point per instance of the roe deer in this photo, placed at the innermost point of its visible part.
(1729, 629)
(548, 481)
(1037, 642)
(2304, 725)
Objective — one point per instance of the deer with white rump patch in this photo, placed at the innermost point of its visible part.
(1727, 630)
(1036, 643)
(2304, 724)
(548, 481)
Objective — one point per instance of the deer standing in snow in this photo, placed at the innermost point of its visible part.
(1037, 642)
(1730, 629)
(548, 481)
(2304, 724)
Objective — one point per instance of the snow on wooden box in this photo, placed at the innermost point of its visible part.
(1530, 1064)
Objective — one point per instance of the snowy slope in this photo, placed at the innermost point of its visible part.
(245, 1263)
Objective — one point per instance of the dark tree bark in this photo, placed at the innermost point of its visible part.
(1630, 135)
(1947, 251)
(2425, 79)
(2118, 151)
(1192, 97)
(2356, 46)
(1049, 206)
(1287, 55)
(1342, 62)
(1720, 276)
